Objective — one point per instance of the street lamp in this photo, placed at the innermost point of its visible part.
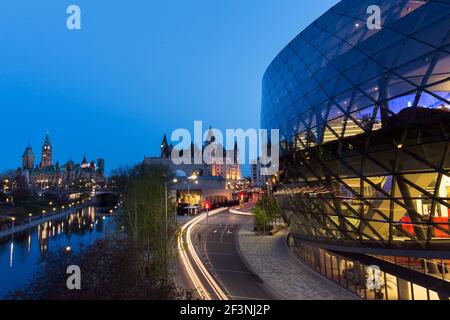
(29, 217)
(192, 177)
(13, 220)
(166, 183)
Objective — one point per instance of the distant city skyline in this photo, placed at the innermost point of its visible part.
(133, 73)
(37, 149)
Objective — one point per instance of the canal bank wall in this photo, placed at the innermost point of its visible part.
(43, 219)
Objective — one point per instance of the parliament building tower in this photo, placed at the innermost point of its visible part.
(28, 158)
(47, 152)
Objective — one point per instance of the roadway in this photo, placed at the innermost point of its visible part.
(211, 261)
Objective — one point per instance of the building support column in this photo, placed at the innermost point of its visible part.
(404, 289)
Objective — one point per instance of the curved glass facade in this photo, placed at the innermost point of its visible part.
(364, 119)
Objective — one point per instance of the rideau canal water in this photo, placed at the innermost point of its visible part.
(21, 254)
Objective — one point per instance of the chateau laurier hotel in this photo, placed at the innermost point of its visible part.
(47, 174)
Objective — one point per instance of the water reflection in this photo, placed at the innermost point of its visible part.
(21, 253)
(11, 255)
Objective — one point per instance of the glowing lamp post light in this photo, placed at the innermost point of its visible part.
(194, 178)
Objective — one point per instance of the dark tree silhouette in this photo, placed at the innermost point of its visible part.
(21, 192)
(110, 270)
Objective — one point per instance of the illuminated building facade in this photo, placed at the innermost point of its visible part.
(47, 174)
(198, 183)
(364, 119)
(226, 166)
(229, 168)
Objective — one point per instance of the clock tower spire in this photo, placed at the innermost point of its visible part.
(47, 152)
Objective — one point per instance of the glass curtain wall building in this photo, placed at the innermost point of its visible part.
(364, 119)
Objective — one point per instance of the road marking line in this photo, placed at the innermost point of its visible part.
(192, 274)
(221, 236)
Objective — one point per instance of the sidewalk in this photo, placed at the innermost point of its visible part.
(270, 258)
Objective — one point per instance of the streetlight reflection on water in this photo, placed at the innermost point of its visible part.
(20, 254)
(11, 254)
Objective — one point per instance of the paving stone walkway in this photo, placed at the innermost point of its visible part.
(270, 258)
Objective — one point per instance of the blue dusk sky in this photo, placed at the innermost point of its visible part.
(136, 70)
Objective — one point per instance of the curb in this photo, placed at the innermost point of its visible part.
(275, 293)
